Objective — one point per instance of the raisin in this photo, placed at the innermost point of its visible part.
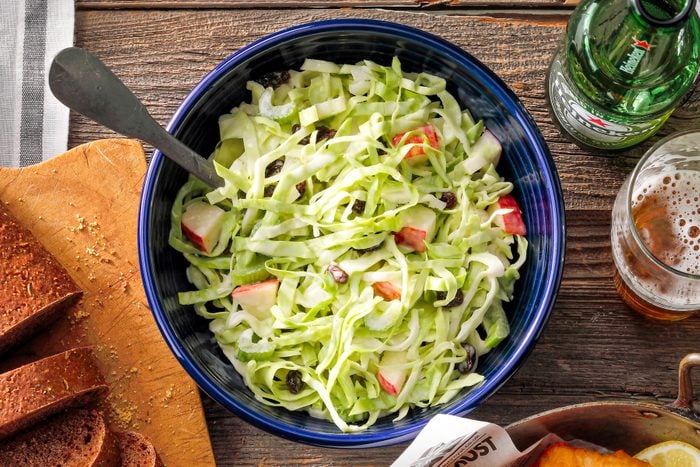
(467, 365)
(359, 206)
(301, 187)
(274, 79)
(449, 199)
(269, 190)
(458, 300)
(338, 275)
(380, 149)
(305, 140)
(325, 133)
(294, 382)
(274, 167)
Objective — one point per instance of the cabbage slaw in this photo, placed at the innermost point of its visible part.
(342, 191)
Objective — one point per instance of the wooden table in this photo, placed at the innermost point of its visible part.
(594, 348)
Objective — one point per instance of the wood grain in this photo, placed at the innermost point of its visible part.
(593, 348)
(88, 222)
(431, 5)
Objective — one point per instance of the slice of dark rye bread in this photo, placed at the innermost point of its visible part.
(137, 451)
(77, 438)
(42, 388)
(34, 287)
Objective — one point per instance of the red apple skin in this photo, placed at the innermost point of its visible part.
(387, 386)
(417, 152)
(392, 372)
(241, 289)
(257, 298)
(513, 221)
(201, 223)
(194, 238)
(412, 238)
(387, 290)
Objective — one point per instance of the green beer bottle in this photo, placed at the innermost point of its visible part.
(623, 68)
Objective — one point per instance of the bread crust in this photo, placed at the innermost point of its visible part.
(137, 450)
(77, 438)
(34, 287)
(35, 391)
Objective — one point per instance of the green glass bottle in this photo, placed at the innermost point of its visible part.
(623, 68)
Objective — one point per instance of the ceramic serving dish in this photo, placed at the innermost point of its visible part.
(526, 161)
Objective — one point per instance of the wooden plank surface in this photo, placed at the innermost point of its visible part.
(424, 4)
(593, 348)
(88, 222)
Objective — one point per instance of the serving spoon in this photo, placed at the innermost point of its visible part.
(83, 83)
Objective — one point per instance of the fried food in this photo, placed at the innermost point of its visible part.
(563, 455)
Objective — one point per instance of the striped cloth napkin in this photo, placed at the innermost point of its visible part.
(33, 124)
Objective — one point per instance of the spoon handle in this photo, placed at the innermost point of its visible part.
(83, 83)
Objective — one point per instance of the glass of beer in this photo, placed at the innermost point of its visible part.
(656, 230)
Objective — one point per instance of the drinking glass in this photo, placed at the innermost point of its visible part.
(655, 232)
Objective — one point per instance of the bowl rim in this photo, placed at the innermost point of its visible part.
(551, 281)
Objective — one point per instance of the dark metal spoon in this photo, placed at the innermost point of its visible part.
(83, 83)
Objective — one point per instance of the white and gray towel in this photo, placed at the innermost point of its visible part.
(33, 124)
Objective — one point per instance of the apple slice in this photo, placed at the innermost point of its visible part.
(257, 298)
(488, 147)
(392, 372)
(412, 238)
(511, 222)
(416, 155)
(202, 222)
(419, 225)
(387, 290)
(487, 150)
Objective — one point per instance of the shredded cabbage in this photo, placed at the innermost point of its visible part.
(319, 184)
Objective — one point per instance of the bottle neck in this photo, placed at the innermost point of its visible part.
(664, 13)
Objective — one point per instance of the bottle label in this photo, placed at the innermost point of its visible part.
(635, 56)
(588, 125)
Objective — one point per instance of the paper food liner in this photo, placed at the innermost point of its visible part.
(448, 441)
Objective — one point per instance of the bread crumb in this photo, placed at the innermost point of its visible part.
(81, 313)
(168, 395)
(124, 415)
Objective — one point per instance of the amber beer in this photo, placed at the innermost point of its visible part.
(656, 231)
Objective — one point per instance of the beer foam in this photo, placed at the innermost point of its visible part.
(677, 196)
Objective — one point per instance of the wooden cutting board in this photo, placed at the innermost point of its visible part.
(82, 205)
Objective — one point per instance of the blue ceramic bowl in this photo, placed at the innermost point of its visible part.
(526, 161)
